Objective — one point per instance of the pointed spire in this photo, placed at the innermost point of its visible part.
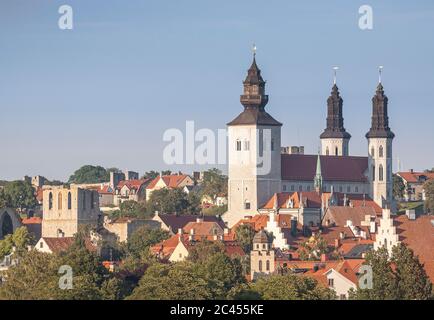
(380, 119)
(335, 121)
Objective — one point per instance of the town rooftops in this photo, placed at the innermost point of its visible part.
(176, 222)
(284, 200)
(132, 184)
(171, 181)
(302, 167)
(57, 245)
(415, 177)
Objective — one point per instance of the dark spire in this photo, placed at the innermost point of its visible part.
(380, 119)
(335, 121)
(254, 100)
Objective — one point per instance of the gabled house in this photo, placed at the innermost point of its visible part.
(168, 181)
(135, 190)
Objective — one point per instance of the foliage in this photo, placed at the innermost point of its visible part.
(214, 183)
(215, 210)
(406, 280)
(244, 235)
(20, 239)
(204, 249)
(143, 238)
(150, 174)
(18, 194)
(398, 187)
(429, 193)
(90, 174)
(290, 287)
(169, 201)
(131, 209)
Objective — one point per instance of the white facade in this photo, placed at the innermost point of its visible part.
(254, 168)
(386, 235)
(335, 147)
(380, 171)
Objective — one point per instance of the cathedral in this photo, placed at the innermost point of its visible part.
(258, 169)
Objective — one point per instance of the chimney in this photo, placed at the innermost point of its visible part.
(192, 231)
(226, 230)
(341, 235)
(411, 170)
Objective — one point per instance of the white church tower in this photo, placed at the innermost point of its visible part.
(254, 152)
(380, 139)
(335, 140)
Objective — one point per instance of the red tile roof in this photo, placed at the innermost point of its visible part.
(171, 181)
(132, 184)
(32, 220)
(414, 177)
(57, 245)
(310, 200)
(334, 168)
(340, 215)
(257, 221)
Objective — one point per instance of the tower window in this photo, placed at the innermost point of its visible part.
(260, 265)
(267, 265)
(380, 152)
(380, 172)
(336, 151)
(284, 187)
(69, 201)
(246, 145)
(50, 201)
(238, 145)
(327, 151)
(372, 152)
(59, 201)
(373, 173)
(247, 205)
(272, 144)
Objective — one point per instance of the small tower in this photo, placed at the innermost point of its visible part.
(318, 176)
(261, 256)
(253, 151)
(380, 139)
(335, 140)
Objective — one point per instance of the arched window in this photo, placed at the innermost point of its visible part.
(59, 201)
(246, 145)
(373, 173)
(69, 201)
(50, 201)
(238, 145)
(372, 152)
(380, 152)
(267, 265)
(260, 265)
(380, 172)
(336, 151)
(327, 151)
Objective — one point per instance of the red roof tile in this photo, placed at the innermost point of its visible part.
(414, 177)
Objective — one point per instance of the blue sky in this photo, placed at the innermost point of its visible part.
(105, 92)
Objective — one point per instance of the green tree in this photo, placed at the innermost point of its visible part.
(150, 174)
(131, 209)
(313, 248)
(429, 193)
(214, 183)
(143, 238)
(169, 201)
(398, 187)
(20, 239)
(90, 174)
(18, 194)
(179, 281)
(244, 235)
(203, 250)
(411, 280)
(291, 287)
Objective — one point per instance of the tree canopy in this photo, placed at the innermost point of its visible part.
(18, 194)
(91, 174)
(214, 183)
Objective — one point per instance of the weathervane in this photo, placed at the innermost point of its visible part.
(336, 68)
(254, 50)
(380, 70)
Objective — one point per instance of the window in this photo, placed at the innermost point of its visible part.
(41, 244)
(284, 187)
(372, 152)
(59, 201)
(300, 188)
(246, 145)
(308, 188)
(340, 189)
(380, 152)
(327, 151)
(373, 173)
(261, 143)
(267, 265)
(357, 189)
(50, 201)
(69, 201)
(238, 145)
(336, 151)
(380, 172)
(260, 265)
(84, 200)
(348, 189)
(292, 188)
(247, 205)
(263, 246)
(331, 282)
(272, 144)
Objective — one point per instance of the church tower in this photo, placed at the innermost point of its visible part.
(380, 139)
(335, 140)
(254, 151)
